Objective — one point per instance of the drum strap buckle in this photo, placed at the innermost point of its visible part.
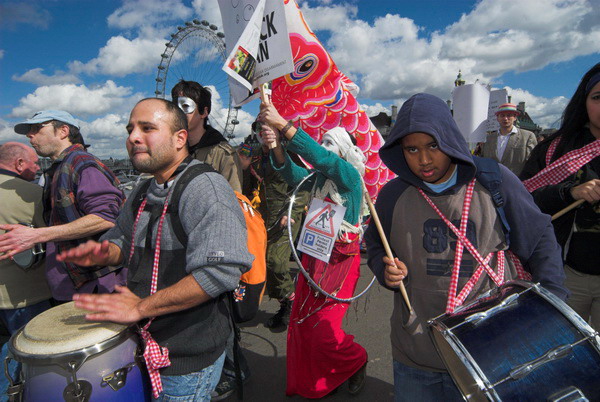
(15, 389)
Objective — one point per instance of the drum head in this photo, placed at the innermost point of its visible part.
(63, 329)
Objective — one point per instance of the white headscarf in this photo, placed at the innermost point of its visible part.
(348, 151)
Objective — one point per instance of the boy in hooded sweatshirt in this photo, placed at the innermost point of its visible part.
(432, 160)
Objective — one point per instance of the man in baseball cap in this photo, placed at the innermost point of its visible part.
(510, 145)
(81, 201)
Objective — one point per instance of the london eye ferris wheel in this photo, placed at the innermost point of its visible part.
(196, 52)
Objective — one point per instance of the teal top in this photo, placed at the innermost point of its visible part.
(328, 166)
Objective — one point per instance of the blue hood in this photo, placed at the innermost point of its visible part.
(424, 113)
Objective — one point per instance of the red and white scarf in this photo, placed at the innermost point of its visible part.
(156, 356)
(455, 301)
(563, 167)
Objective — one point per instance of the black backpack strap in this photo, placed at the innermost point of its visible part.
(490, 177)
(138, 195)
(180, 185)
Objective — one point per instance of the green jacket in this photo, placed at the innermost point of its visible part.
(274, 190)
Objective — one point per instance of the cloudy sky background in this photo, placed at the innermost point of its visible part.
(96, 59)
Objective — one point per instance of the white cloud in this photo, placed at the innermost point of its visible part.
(544, 111)
(1, 53)
(393, 59)
(328, 16)
(7, 133)
(374, 110)
(208, 10)
(140, 13)
(36, 76)
(122, 56)
(79, 100)
(503, 36)
(107, 135)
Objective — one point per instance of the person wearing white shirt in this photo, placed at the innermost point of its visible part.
(510, 145)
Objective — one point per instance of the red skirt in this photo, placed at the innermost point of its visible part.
(320, 355)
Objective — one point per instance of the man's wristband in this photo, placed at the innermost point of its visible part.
(286, 128)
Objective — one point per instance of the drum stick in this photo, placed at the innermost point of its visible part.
(567, 209)
(264, 98)
(386, 245)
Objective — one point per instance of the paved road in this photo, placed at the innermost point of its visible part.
(367, 319)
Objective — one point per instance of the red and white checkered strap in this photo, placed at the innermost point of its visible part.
(551, 150)
(453, 300)
(563, 167)
(155, 355)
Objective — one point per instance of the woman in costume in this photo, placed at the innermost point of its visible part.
(566, 168)
(320, 355)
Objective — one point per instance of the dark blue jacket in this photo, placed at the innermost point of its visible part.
(532, 237)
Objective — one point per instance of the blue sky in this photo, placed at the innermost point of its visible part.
(97, 58)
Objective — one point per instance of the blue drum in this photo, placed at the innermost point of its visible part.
(519, 342)
(67, 358)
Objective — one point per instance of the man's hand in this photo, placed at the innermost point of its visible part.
(120, 307)
(16, 239)
(395, 272)
(88, 254)
(284, 220)
(589, 191)
(269, 136)
(269, 114)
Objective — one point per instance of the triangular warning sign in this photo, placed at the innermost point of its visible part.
(322, 222)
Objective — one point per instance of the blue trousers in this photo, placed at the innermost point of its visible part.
(411, 384)
(193, 387)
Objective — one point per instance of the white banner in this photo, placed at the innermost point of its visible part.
(256, 55)
(497, 98)
(470, 107)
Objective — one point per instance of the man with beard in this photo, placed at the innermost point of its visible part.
(176, 290)
(81, 201)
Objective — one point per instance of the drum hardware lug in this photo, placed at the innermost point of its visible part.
(569, 394)
(553, 354)
(477, 318)
(78, 391)
(118, 378)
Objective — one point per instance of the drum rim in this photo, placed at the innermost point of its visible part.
(63, 359)
(437, 326)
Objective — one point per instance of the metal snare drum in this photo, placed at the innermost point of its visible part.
(519, 342)
(67, 358)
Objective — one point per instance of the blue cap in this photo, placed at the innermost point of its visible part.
(44, 116)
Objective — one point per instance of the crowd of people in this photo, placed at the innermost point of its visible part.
(166, 257)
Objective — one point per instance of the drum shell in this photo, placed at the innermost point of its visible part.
(46, 376)
(479, 355)
(29, 258)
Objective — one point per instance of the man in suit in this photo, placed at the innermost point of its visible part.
(510, 145)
